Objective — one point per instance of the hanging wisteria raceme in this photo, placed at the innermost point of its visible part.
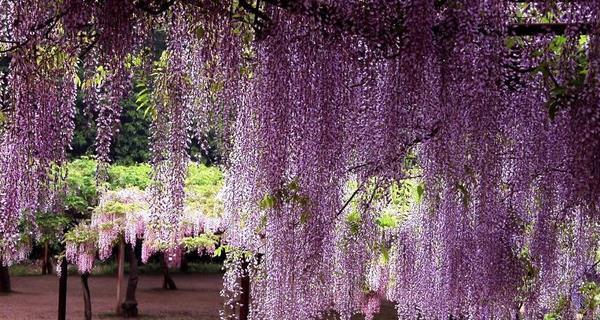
(472, 231)
(170, 141)
(219, 67)
(484, 235)
(490, 118)
(38, 120)
(81, 244)
(501, 179)
(119, 35)
(195, 220)
(561, 170)
(288, 169)
(41, 93)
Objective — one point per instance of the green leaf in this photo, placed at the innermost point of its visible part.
(219, 251)
(77, 80)
(267, 202)
(583, 41)
(387, 221)
(384, 258)
(557, 44)
(510, 42)
(304, 217)
(418, 190)
(354, 220)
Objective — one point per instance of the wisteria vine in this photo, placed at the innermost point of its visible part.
(485, 111)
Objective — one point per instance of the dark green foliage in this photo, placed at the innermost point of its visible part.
(131, 143)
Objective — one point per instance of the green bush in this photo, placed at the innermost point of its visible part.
(203, 183)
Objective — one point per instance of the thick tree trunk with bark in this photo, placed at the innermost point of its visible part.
(4, 279)
(245, 294)
(168, 282)
(129, 306)
(87, 302)
(62, 290)
(46, 264)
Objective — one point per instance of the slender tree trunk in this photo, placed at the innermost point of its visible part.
(87, 302)
(120, 275)
(168, 282)
(62, 290)
(4, 279)
(46, 264)
(130, 309)
(245, 294)
(45, 259)
(184, 264)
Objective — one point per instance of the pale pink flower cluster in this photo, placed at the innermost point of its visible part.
(192, 221)
(82, 255)
(119, 214)
(135, 225)
(81, 246)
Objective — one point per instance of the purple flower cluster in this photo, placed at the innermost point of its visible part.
(38, 121)
(324, 107)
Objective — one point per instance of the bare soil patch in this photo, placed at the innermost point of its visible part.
(197, 297)
(36, 297)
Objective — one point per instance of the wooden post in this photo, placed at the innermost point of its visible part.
(87, 303)
(120, 275)
(4, 279)
(245, 294)
(62, 290)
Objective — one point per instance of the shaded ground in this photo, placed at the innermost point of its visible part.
(35, 297)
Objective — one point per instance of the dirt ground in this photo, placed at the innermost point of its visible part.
(35, 297)
(197, 297)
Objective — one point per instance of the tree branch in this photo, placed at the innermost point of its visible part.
(147, 7)
(362, 184)
(533, 29)
(49, 23)
(413, 143)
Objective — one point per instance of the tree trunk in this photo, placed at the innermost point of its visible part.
(4, 279)
(245, 294)
(46, 264)
(129, 307)
(87, 303)
(120, 275)
(168, 282)
(62, 290)
(184, 264)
